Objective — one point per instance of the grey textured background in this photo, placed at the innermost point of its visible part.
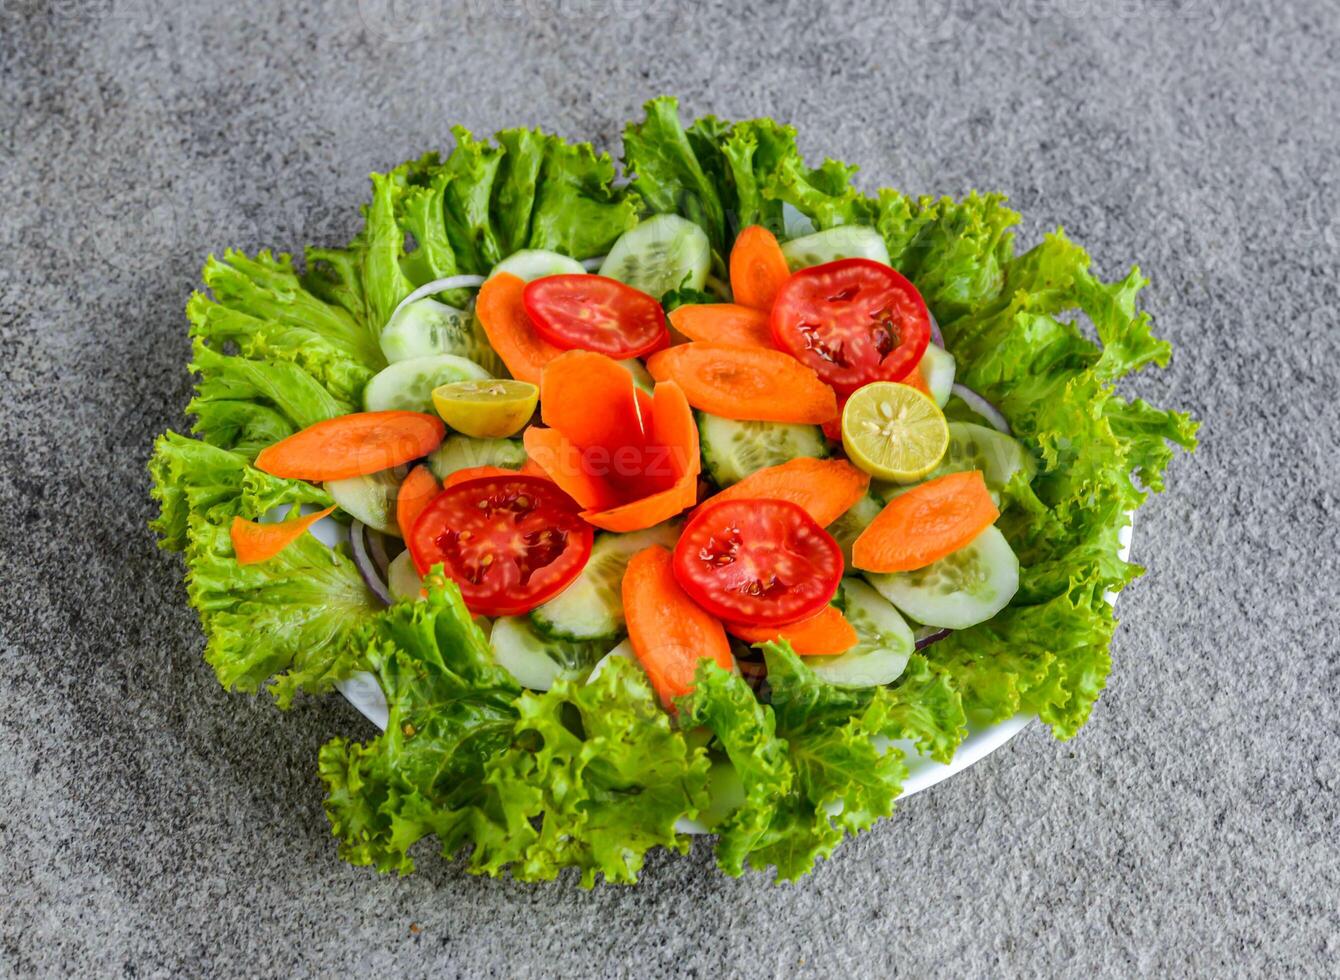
(151, 824)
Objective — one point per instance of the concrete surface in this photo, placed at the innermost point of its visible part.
(152, 825)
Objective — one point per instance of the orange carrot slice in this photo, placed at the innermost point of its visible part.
(253, 542)
(353, 445)
(825, 633)
(416, 491)
(563, 462)
(740, 383)
(591, 400)
(916, 379)
(926, 523)
(669, 632)
(724, 323)
(474, 473)
(511, 334)
(824, 488)
(757, 268)
(673, 452)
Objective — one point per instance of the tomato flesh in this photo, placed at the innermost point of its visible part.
(509, 542)
(595, 313)
(760, 562)
(853, 321)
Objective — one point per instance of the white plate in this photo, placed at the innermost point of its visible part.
(923, 772)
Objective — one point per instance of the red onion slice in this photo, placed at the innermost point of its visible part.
(983, 408)
(363, 562)
(926, 635)
(937, 338)
(377, 549)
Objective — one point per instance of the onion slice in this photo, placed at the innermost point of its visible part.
(363, 562)
(983, 408)
(377, 549)
(593, 264)
(937, 338)
(438, 286)
(927, 635)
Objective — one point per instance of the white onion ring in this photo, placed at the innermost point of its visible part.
(438, 286)
(983, 408)
(937, 338)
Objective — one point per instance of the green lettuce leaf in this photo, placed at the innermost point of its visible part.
(192, 479)
(589, 776)
(818, 762)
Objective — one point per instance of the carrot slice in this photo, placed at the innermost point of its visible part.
(740, 383)
(253, 542)
(511, 334)
(724, 323)
(926, 523)
(353, 445)
(757, 268)
(591, 400)
(669, 632)
(532, 468)
(673, 448)
(825, 633)
(416, 490)
(563, 462)
(474, 473)
(824, 488)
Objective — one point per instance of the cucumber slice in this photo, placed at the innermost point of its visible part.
(937, 367)
(960, 590)
(733, 449)
(537, 662)
(427, 327)
(459, 452)
(536, 263)
(370, 499)
(978, 447)
(848, 527)
(886, 641)
(591, 608)
(402, 578)
(408, 385)
(641, 376)
(843, 242)
(660, 254)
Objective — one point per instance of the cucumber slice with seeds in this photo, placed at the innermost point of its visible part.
(733, 449)
(978, 447)
(886, 641)
(960, 590)
(408, 385)
(427, 327)
(843, 242)
(536, 661)
(849, 526)
(459, 452)
(536, 263)
(660, 254)
(591, 608)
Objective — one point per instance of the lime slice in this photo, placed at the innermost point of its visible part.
(893, 431)
(493, 409)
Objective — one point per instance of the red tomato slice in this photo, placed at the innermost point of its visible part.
(757, 562)
(595, 313)
(510, 542)
(853, 321)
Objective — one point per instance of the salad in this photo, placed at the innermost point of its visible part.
(691, 500)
